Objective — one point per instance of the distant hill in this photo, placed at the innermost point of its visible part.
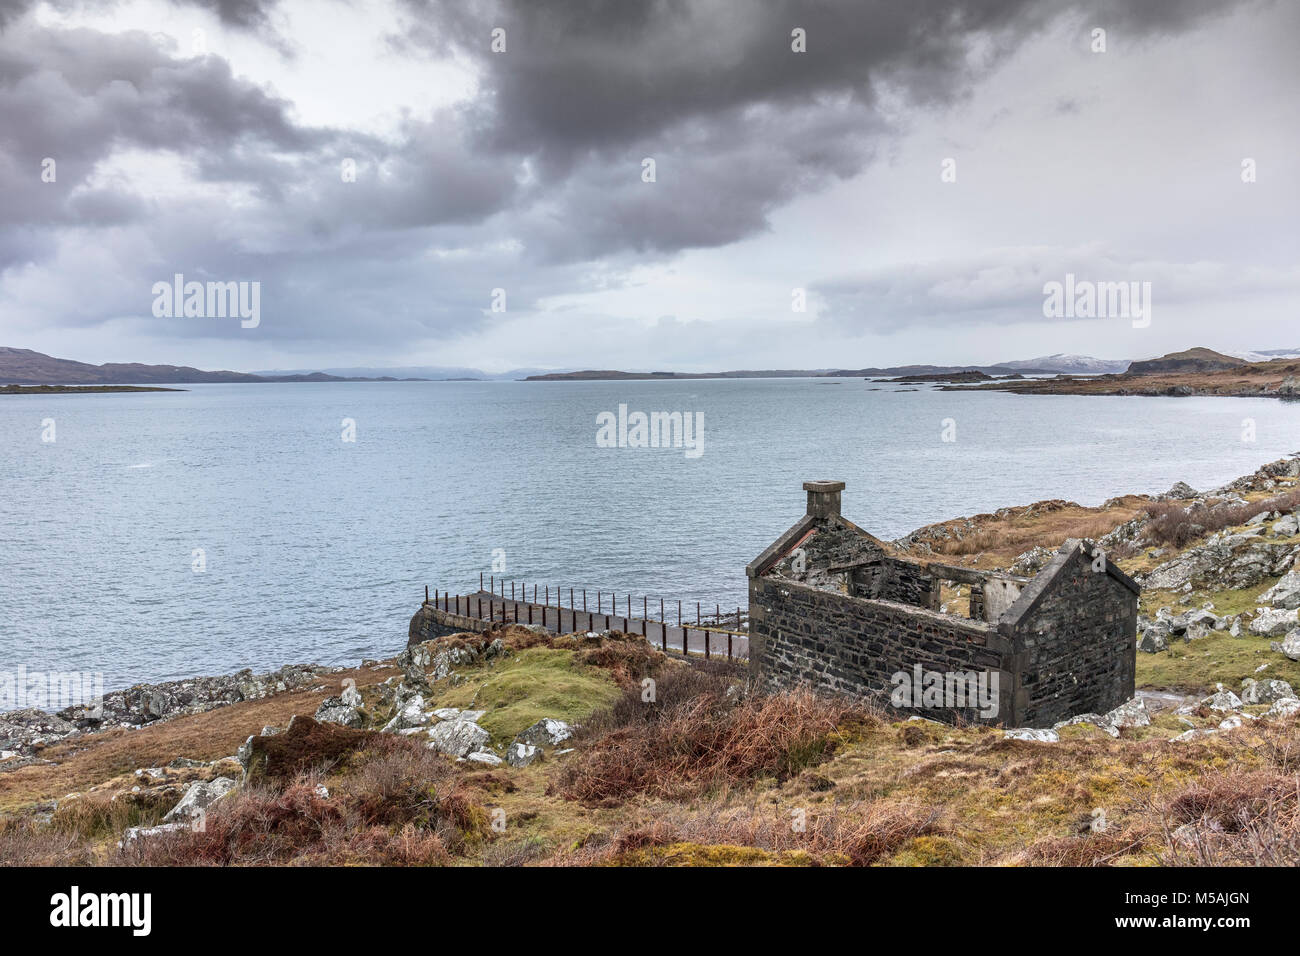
(1070, 364)
(25, 367)
(1190, 360)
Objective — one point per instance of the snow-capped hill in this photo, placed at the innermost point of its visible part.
(1076, 364)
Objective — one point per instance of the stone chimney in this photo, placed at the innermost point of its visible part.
(823, 498)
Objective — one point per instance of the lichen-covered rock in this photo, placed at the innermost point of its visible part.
(1264, 691)
(335, 710)
(1224, 562)
(411, 714)
(1094, 720)
(1222, 699)
(1274, 622)
(1285, 707)
(200, 796)
(457, 737)
(131, 834)
(483, 757)
(1195, 734)
(1032, 561)
(1029, 733)
(521, 755)
(1154, 639)
(1131, 713)
(1286, 593)
(433, 661)
(1290, 646)
(547, 732)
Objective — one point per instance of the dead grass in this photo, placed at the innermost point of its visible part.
(403, 806)
(708, 741)
(24, 842)
(1224, 819)
(1173, 524)
(858, 834)
(996, 540)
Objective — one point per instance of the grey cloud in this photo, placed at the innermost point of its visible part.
(1005, 286)
(586, 88)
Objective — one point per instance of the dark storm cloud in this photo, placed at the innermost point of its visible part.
(586, 89)
(539, 173)
(78, 96)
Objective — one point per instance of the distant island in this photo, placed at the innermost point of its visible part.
(56, 389)
(1194, 372)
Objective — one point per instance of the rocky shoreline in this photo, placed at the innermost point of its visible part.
(25, 733)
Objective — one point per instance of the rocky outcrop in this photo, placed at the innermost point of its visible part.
(458, 737)
(1264, 691)
(344, 709)
(1275, 622)
(1286, 593)
(521, 754)
(27, 732)
(547, 732)
(1226, 561)
(146, 703)
(199, 797)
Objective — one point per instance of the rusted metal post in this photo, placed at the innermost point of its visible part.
(686, 646)
(679, 613)
(706, 645)
(530, 614)
(728, 647)
(584, 599)
(548, 594)
(480, 580)
(697, 613)
(480, 609)
(663, 636)
(512, 590)
(571, 598)
(492, 585)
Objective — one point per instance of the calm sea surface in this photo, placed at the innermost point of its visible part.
(318, 549)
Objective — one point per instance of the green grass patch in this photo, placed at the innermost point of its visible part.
(1226, 603)
(534, 683)
(1220, 658)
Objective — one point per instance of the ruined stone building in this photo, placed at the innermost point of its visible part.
(832, 607)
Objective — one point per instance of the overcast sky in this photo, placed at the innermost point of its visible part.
(209, 138)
